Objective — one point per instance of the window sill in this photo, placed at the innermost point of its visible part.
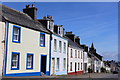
(16, 41)
(42, 46)
(29, 68)
(14, 68)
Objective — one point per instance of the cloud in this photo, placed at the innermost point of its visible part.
(97, 30)
(110, 56)
(76, 18)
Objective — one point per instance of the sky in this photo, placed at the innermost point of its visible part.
(95, 22)
(60, 0)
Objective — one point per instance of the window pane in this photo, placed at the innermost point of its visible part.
(16, 30)
(71, 66)
(57, 63)
(64, 47)
(64, 63)
(14, 60)
(55, 44)
(29, 61)
(15, 37)
(71, 53)
(42, 39)
(60, 46)
(16, 34)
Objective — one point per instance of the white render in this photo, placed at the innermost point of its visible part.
(75, 60)
(97, 65)
(2, 47)
(85, 62)
(57, 54)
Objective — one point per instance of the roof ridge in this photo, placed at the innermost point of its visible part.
(18, 17)
(17, 11)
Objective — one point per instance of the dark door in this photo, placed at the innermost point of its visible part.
(43, 63)
(75, 67)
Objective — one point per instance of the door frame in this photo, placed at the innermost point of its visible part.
(53, 72)
(75, 67)
(41, 62)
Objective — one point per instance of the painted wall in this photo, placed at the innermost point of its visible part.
(73, 60)
(89, 62)
(97, 65)
(2, 38)
(85, 62)
(61, 55)
(85, 57)
(30, 43)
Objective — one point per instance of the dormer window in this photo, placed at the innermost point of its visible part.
(50, 25)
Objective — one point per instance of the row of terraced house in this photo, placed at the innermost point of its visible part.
(33, 47)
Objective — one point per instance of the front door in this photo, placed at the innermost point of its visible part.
(75, 67)
(43, 63)
(53, 66)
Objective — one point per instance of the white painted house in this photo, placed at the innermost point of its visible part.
(86, 58)
(59, 44)
(96, 60)
(27, 43)
(75, 54)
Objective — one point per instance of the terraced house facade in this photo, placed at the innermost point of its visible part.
(27, 44)
(36, 47)
(59, 46)
(75, 54)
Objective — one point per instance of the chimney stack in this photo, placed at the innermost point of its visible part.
(31, 11)
(77, 40)
(70, 35)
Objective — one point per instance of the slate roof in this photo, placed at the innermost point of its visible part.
(20, 18)
(73, 44)
(98, 56)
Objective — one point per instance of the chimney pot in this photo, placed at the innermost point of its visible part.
(44, 17)
(30, 11)
(33, 5)
(77, 40)
(27, 6)
(70, 35)
(69, 32)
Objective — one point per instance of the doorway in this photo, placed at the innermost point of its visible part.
(43, 63)
(53, 66)
(75, 67)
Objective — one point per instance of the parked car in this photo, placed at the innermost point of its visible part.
(115, 72)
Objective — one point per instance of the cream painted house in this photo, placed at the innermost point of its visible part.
(2, 46)
(27, 44)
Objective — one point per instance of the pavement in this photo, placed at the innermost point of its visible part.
(92, 75)
(0, 77)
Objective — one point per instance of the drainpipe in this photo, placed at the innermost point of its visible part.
(67, 57)
(50, 54)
